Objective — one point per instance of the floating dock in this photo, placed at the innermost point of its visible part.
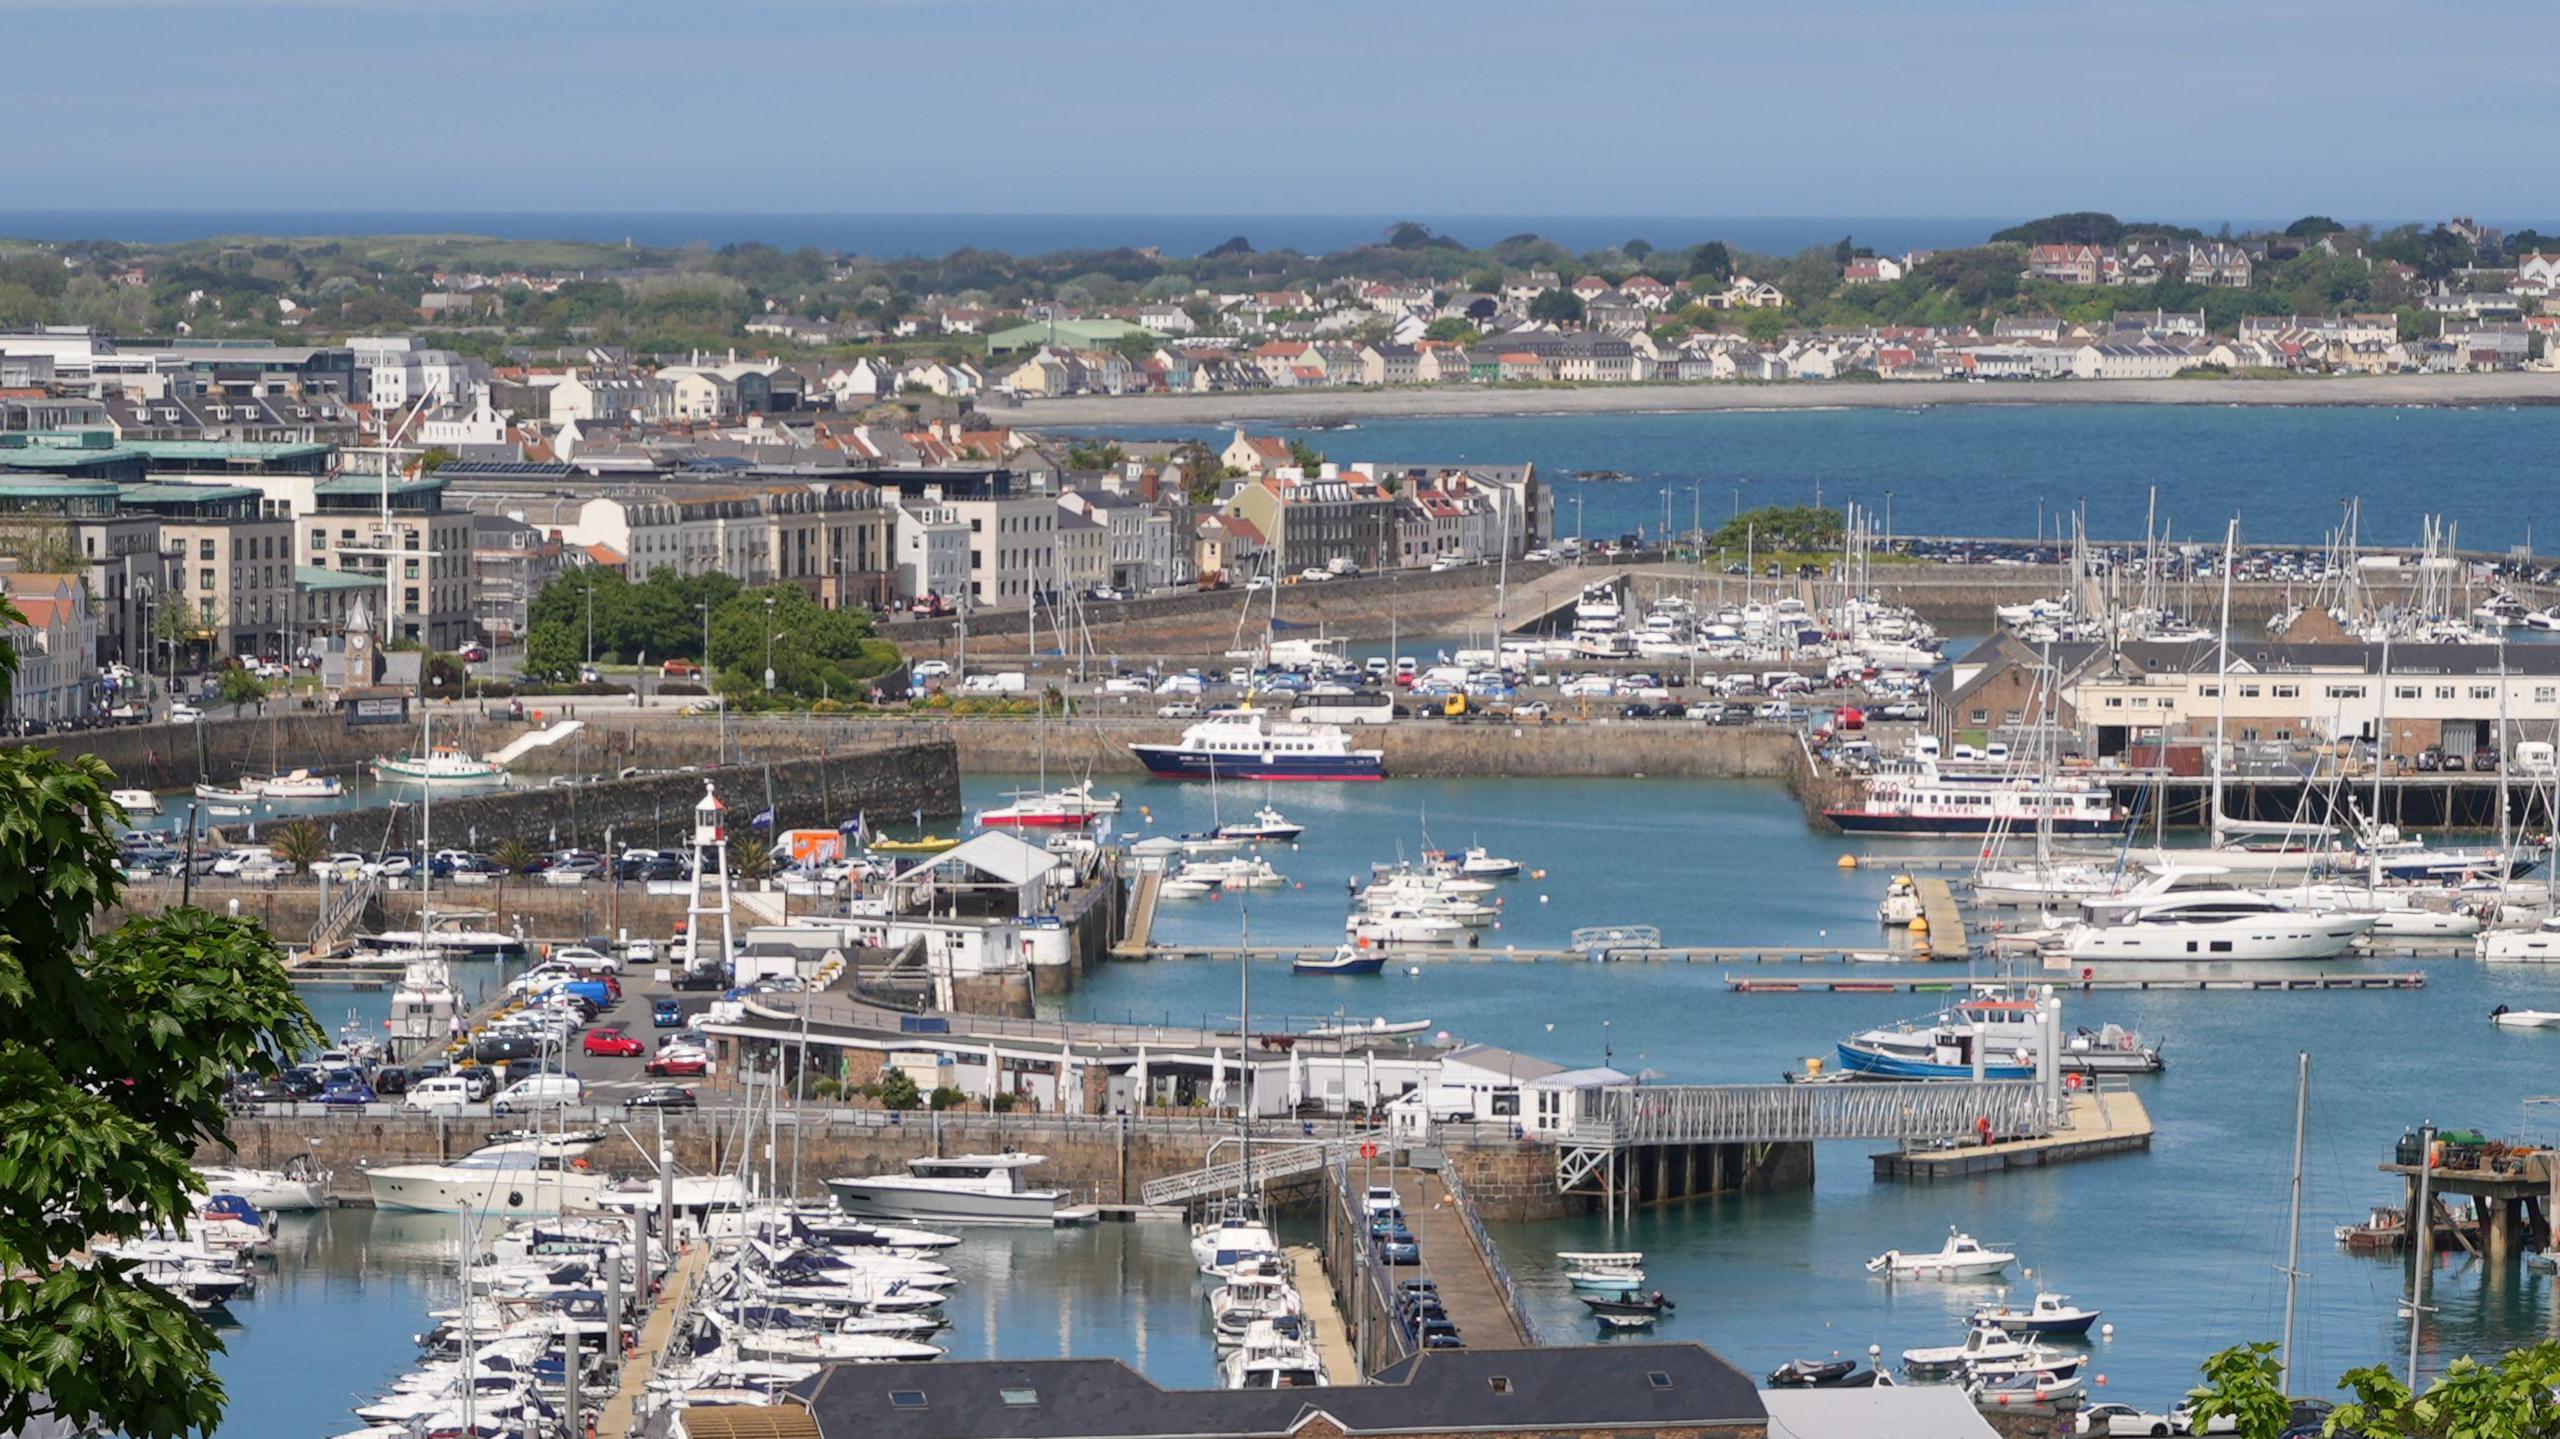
(1745, 984)
(2102, 1122)
(657, 1333)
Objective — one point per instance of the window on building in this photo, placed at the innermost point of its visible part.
(2444, 692)
(2286, 692)
(2209, 691)
(2484, 692)
(2404, 692)
(204, 549)
(2248, 692)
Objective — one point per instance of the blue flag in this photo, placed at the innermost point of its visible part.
(763, 819)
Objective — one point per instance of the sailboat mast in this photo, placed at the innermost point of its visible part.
(2293, 1239)
(2222, 683)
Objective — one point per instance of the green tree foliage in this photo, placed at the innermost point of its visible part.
(1451, 329)
(300, 844)
(1096, 457)
(1233, 245)
(2245, 1385)
(657, 618)
(1559, 307)
(897, 1090)
(1305, 456)
(2089, 227)
(2511, 1399)
(1712, 260)
(1764, 326)
(115, 1051)
(240, 687)
(816, 652)
(1801, 528)
(2312, 227)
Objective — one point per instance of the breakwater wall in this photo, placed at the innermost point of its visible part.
(1438, 749)
(885, 781)
(545, 913)
(1096, 1162)
(1356, 605)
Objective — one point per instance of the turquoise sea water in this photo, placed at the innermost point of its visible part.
(2180, 1246)
(1992, 469)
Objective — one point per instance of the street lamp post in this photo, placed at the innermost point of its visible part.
(591, 616)
(1888, 521)
(768, 643)
(1577, 529)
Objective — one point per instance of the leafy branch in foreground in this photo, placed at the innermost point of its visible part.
(115, 1052)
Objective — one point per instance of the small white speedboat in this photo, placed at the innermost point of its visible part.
(2506, 1018)
(1984, 1342)
(135, 801)
(1268, 826)
(1477, 864)
(1961, 1257)
(1613, 1271)
(225, 794)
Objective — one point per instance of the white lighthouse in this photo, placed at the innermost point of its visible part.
(710, 876)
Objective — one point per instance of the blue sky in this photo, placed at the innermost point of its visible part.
(2187, 108)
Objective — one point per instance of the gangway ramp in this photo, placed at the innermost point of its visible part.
(526, 743)
(1278, 1162)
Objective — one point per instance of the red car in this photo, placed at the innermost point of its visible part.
(679, 1062)
(613, 1042)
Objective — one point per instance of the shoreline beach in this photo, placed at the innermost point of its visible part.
(1328, 406)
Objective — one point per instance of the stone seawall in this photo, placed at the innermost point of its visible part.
(289, 908)
(1353, 605)
(886, 782)
(1436, 749)
(1094, 1163)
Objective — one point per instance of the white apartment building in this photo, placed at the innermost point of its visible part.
(931, 547)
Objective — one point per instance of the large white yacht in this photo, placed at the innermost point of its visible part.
(2217, 926)
(527, 1177)
(963, 1189)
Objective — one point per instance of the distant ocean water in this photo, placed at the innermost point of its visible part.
(910, 235)
(2011, 469)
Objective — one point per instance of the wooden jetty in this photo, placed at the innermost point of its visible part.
(2099, 1122)
(620, 1417)
(1945, 934)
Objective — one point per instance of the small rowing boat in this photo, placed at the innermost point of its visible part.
(922, 844)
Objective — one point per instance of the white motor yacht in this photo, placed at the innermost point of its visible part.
(1983, 1341)
(1249, 1299)
(2217, 926)
(135, 801)
(963, 1189)
(1233, 1231)
(524, 1177)
(1273, 1355)
(2538, 945)
(297, 1186)
(1403, 926)
(1961, 1257)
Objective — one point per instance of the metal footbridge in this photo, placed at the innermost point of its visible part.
(1278, 1161)
(1632, 1116)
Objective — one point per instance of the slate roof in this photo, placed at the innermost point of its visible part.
(1622, 1386)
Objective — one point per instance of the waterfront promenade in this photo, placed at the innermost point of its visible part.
(1281, 406)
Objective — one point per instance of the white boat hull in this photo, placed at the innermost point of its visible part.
(443, 1189)
(879, 1199)
(269, 1190)
(2289, 938)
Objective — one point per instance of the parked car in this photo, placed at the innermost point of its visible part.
(540, 1091)
(666, 1013)
(2119, 1419)
(1398, 1246)
(612, 1042)
(670, 1063)
(662, 1096)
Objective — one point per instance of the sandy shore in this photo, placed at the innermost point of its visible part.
(1305, 406)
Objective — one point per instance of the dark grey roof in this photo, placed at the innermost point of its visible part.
(1509, 1390)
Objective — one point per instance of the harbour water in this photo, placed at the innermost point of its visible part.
(1994, 469)
(2180, 1245)
(333, 1321)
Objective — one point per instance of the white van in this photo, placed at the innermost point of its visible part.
(541, 1091)
(2535, 757)
(450, 1093)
